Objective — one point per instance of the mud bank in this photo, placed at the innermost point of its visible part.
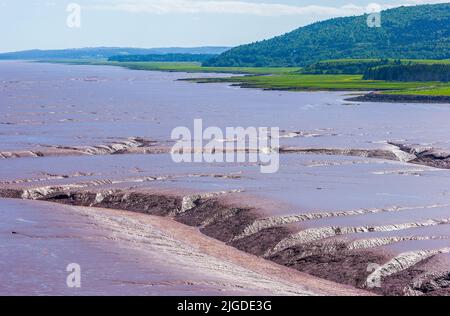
(366, 153)
(138, 146)
(399, 98)
(321, 256)
(426, 156)
(414, 154)
(131, 145)
(124, 253)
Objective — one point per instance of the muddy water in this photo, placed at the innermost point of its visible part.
(46, 104)
(390, 207)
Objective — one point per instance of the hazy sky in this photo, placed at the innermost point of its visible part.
(27, 24)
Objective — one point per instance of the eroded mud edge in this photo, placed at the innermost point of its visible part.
(400, 98)
(225, 221)
(393, 151)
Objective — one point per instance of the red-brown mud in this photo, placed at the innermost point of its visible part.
(223, 221)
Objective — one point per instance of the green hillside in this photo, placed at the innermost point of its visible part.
(413, 32)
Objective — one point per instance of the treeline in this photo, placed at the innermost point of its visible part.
(410, 72)
(347, 67)
(163, 58)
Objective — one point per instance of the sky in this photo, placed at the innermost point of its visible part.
(42, 24)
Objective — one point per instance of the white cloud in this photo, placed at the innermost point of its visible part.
(416, 2)
(225, 7)
(241, 7)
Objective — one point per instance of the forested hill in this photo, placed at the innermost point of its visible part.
(413, 32)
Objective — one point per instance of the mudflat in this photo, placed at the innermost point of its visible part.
(361, 194)
(123, 253)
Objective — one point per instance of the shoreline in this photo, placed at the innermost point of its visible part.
(369, 97)
(400, 98)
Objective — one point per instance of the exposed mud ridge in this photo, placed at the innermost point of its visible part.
(349, 263)
(332, 246)
(153, 204)
(316, 234)
(335, 260)
(191, 201)
(269, 222)
(11, 193)
(218, 220)
(122, 147)
(35, 193)
(428, 156)
(399, 98)
(48, 177)
(414, 154)
(133, 145)
(366, 153)
(418, 155)
(433, 283)
(405, 261)
(342, 266)
(258, 243)
(377, 242)
(408, 267)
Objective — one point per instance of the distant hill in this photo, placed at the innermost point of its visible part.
(163, 58)
(107, 52)
(413, 32)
